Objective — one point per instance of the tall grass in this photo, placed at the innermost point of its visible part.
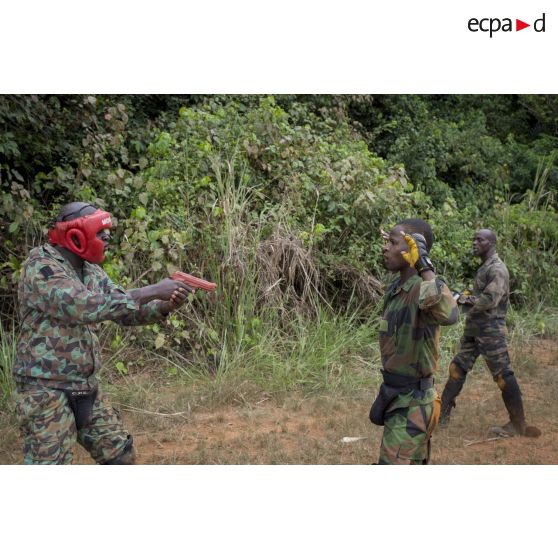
(8, 341)
(268, 329)
(237, 272)
(541, 197)
(331, 355)
(328, 353)
(268, 326)
(255, 271)
(539, 321)
(529, 240)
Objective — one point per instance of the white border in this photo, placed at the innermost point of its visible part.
(277, 511)
(302, 46)
(293, 46)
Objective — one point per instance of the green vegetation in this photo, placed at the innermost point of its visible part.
(7, 355)
(279, 200)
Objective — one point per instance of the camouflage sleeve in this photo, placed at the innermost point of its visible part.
(493, 292)
(64, 298)
(146, 314)
(437, 304)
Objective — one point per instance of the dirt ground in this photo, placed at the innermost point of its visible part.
(309, 430)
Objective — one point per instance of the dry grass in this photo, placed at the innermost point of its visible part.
(480, 407)
(286, 272)
(236, 422)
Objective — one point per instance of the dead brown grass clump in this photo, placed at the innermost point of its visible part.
(289, 275)
(348, 280)
(287, 272)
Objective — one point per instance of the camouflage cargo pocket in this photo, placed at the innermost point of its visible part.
(405, 441)
(105, 436)
(47, 425)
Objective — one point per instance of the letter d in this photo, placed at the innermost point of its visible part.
(535, 25)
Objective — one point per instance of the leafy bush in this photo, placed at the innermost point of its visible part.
(279, 200)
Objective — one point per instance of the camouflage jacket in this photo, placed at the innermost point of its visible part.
(410, 328)
(490, 297)
(58, 346)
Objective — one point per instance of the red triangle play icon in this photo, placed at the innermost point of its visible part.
(519, 25)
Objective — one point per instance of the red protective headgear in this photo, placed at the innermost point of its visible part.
(85, 230)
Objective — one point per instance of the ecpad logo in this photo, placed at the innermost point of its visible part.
(493, 25)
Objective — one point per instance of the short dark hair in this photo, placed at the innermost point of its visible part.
(419, 226)
(71, 211)
(489, 234)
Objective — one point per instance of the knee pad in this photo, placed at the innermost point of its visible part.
(456, 373)
(502, 378)
(127, 456)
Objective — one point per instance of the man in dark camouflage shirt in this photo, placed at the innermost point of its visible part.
(485, 334)
(415, 306)
(62, 297)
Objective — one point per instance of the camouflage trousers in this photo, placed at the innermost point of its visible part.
(408, 426)
(49, 430)
(493, 348)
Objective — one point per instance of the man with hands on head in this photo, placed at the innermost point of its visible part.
(415, 305)
(63, 293)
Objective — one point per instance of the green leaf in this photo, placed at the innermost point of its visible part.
(140, 212)
(160, 340)
(17, 175)
(121, 367)
(319, 229)
(13, 227)
(213, 335)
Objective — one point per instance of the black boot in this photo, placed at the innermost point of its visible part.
(511, 394)
(445, 410)
(453, 388)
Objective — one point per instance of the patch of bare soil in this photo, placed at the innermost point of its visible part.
(480, 406)
(310, 430)
(295, 432)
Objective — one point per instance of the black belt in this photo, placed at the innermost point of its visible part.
(406, 382)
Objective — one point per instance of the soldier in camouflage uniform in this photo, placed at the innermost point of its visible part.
(62, 298)
(415, 306)
(485, 334)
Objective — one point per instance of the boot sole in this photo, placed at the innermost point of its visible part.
(532, 432)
